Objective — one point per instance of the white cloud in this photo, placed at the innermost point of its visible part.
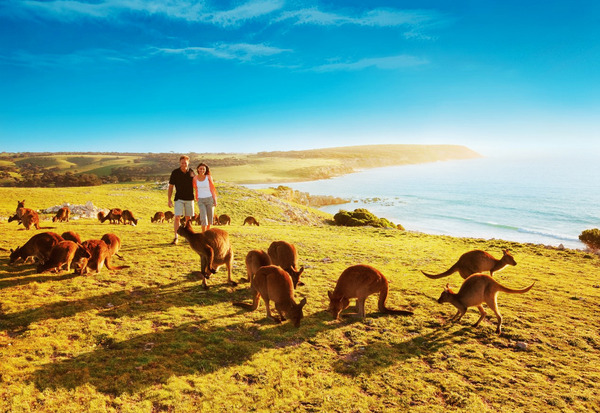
(237, 51)
(386, 63)
(68, 60)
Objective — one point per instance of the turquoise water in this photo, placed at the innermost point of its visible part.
(543, 201)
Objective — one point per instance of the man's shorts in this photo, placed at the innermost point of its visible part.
(184, 208)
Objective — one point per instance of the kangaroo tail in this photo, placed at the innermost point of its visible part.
(451, 270)
(513, 291)
(110, 267)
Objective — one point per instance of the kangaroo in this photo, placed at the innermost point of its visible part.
(158, 217)
(128, 218)
(62, 215)
(360, 281)
(30, 218)
(476, 261)
(224, 219)
(38, 246)
(214, 250)
(476, 290)
(169, 215)
(63, 254)
(251, 221)
(254, 260)
(71, 236)
(100, 256)
(113, 242)
(114, 216)
(274, 284)
(284, 254)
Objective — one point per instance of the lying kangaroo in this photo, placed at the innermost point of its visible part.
(62, 215)
(284, 254)
(38, 246)
(128, 218)
(360, 281)
(254, 260)
(476, 261)
(71, 236)
(274, 284)
(113, 242)
(158, 217)
(63, 254)
(251, 221)
(213, 247)
(224, 219)
(476, 290)
(100, 256)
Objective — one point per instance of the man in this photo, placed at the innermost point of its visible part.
(181, 178)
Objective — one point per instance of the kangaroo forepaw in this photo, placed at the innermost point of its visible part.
(213, 271)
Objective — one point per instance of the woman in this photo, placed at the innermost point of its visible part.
(205, 194)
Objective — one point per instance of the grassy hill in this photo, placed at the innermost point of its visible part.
(149, 338)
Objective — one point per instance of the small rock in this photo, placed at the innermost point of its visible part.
(521, 345)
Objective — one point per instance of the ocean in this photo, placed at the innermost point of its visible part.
(543, 201)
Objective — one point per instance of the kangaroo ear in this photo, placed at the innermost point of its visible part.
(303, 302)
(301, 270)
(329, 294)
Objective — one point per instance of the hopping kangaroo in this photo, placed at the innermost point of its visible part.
(476, 290)
(254, 260)
(273, 284)
(213, 247)
(38, 246)
(251, 221)
(63, 254)
(476, 261)
(360, 281)
(284, 254)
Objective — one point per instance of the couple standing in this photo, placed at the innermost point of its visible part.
(189, 187)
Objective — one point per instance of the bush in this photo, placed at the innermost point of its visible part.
(362, 217)
(591, 238)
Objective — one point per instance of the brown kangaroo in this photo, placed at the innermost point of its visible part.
(63, 254)
(100, 256)
(128, 218)
(38, 246)
(360, 281)
(251, 221)
(224, 219)
(169, 215)
(284, 254)
(113, 242)
(158, 217)
(254, 260)
(476, 261)
(114, 216)
(476, 290)
(274, 284)
(213, 247)
(62, 215)
(71, 236)
(30, 218)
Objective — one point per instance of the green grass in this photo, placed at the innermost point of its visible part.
(149, 339)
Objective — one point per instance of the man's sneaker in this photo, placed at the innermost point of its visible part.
(174, 241)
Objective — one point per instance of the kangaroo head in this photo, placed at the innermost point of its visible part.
(337, 305)
(15, 255)
(446, 294)
(508, 258)
(295, 275)
(296, 313)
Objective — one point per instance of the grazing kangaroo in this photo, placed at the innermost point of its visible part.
(71, 236)
(38, 246)
(224, 219)
(254, 260)
(169, 215)
(476, 290)
(360, 281)
(128, 218)
(158, 217)
(274, 284)
(476, 261)
(63, 254)
(114, 216)
(62, 215)
(113, 242)
(100, 256)
(251, 221)
(213, 247)
(284, 254)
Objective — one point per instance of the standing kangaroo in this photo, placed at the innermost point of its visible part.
(476, 290)
(284, 254)
(274, 284)
(360, 281)
(476, 261)
(254, 260)
(213, 247)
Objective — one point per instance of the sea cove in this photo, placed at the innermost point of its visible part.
(543, 201)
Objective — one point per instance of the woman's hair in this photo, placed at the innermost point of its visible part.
(205, 165)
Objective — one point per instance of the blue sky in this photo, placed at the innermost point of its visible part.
(259, 75)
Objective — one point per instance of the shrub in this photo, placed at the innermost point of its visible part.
(591, 238)
(361, 217)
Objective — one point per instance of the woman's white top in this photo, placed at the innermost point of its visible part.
(203, 188)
